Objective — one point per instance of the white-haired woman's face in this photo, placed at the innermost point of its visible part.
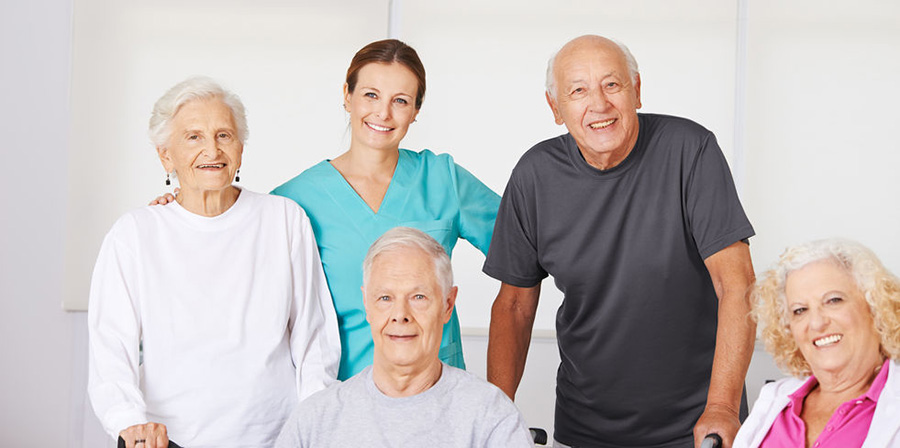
(830, 319)
(203, 147)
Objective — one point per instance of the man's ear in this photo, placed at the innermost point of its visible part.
(165, 158)
(451, 302)
(552, 103)
(637, 90)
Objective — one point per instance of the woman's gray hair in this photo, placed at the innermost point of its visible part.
(550, 81)
(880, 288)
(408, 237)
(199, 87)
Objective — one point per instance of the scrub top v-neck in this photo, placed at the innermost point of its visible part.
(428, 192)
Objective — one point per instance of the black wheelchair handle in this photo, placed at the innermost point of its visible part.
(538, 435)
(712, 441)
(171, 443)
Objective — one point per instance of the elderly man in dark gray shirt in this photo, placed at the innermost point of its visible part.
(637, 218)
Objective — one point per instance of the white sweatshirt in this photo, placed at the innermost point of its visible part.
(234, 315)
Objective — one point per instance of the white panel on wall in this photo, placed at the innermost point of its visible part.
(822, 150)
(35, 347)
(486, 64)
(285, 59)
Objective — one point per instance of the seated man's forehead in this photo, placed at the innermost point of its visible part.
(403, 254)
(412, 260)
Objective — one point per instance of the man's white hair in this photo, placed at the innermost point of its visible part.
(410, 238)
(199, 87)
(633, 72)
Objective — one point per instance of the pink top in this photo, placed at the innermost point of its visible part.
(847, 427)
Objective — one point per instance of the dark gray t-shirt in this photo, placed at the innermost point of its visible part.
(637, 326)
(460, 410)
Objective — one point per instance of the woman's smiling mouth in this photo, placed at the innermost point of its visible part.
(378, 128)
(828, 340)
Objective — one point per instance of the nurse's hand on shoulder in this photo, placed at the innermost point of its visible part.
(148, 435)
(165, 199)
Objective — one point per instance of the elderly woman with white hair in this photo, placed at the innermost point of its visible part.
(830, 315)
(210, 317)
(408, 397)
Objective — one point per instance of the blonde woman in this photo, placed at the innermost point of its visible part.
(830, 315)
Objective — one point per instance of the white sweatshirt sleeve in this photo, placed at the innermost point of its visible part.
(114, 333)
(315, 343)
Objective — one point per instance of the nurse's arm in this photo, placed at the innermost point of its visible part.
(512, 319)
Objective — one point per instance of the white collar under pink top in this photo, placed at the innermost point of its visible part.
(847, 427)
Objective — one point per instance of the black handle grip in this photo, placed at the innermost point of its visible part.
(538, 435)
(711, 441)
(171, 443)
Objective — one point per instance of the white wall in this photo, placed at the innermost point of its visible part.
(35, 333)
(822, 150)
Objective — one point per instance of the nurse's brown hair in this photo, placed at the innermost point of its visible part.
(388, 51)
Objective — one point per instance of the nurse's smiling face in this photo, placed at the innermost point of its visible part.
(382, 105)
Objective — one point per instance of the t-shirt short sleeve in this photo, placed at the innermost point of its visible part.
(513, 256)
(716, 217)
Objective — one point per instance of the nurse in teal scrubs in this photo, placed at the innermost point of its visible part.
(375, 186)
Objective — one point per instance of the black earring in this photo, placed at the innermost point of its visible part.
(168, 182)
(237, 177)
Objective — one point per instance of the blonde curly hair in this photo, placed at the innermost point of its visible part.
(880, 288)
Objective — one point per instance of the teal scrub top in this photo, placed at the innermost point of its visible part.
(427, 191)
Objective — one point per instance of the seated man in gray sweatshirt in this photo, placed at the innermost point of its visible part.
(408, 397)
